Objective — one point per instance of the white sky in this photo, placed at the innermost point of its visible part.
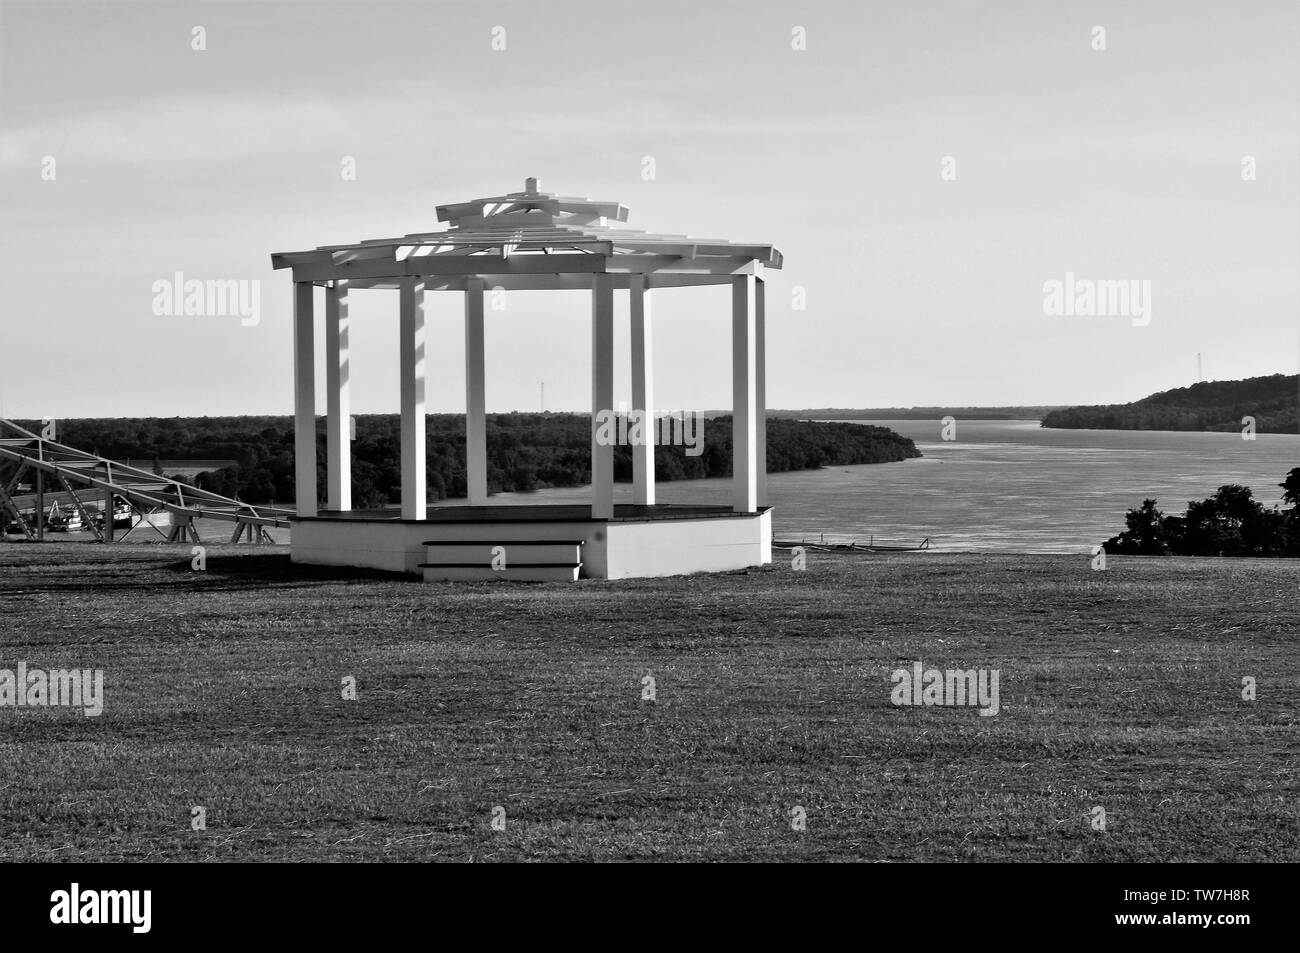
(1123, 164)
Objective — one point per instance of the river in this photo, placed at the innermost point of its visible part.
(1000, 486)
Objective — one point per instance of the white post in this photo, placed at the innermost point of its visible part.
(602, 393)
(760, 385)
(743, 439)
(475, 401)
(411, 330)
(643, 454)
(304, 398)
(338, 445)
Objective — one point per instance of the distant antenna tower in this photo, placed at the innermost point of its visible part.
(1199, 375)
(543, 396)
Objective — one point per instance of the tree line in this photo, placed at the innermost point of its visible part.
(1230, 523)
(525, 451)
(1272, 402)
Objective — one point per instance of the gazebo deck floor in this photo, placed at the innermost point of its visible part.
(541, 513)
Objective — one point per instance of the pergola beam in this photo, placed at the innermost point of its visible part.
(527, 271)
(464, 265)
(620, 282)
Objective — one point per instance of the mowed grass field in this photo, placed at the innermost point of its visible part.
(1119, 689)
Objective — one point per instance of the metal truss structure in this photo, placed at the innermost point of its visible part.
(147, 494)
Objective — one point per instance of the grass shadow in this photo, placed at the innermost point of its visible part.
(267, 568)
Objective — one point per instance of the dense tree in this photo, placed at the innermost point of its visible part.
(525, 451)
(1230, 523)
(1291, 488)
(1211, 405)
(1145, 533)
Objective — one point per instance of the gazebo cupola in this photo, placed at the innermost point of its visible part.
(529, 240)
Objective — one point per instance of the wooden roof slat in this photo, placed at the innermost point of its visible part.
(532, 224)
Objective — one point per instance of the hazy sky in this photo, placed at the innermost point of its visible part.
(1117, 164)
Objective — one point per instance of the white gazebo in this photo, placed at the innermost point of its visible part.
(527, 240)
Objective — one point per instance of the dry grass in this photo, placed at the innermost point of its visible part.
(1119, 688)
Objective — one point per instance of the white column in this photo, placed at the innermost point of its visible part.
(760, 386)
(414, 496)
(743, 440)
(602, 393)
(304, 398)
(643, 454)
(338, 445)
(475, 400)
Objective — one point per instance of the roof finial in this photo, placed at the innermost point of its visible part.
(530, 185)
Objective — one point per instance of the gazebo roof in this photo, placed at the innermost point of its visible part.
(529, 239)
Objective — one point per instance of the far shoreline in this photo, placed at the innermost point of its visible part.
(887, 420)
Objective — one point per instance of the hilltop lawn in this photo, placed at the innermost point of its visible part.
(1119, 689)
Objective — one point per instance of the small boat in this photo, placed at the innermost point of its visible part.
(66, 523)
(121, 516)
(63, 520)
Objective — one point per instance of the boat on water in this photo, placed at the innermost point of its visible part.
(122, 514)
(64, 520)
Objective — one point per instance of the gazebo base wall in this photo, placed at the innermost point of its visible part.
(638, 542)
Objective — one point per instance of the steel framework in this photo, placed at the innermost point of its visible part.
(146, 493)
